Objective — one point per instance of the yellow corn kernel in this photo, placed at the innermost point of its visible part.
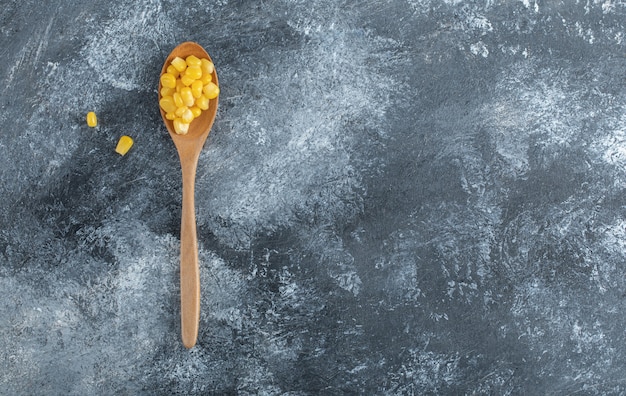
(178, 100)
(196, 111)
(194, 72)
(187, 96)
(211, 90)
(92, 120)
(123, 145)
(173, 71)
(196, 89)
(202, 102)
(187, 116)
(179, 111)
(206, 78)
(165, 91)
(168, 80)
(170, 116)
(167, 104)
(187, 80)
(179, 85)
(193, 60)
(181, 127)
(179, 63)
(207, 66)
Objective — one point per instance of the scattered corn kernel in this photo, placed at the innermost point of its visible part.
(92, 120)
(180, 127)
(184, 97)
(168, 80)
(123, 145)
(211, 90)
(179, 63)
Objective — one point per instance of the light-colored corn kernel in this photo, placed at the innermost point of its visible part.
(180, 127)
(193, 72)
(211, 90)
(206, 78)
(196, 89)
(123, 145)
(170, 116)
(196, 111)
(207, 66)
(187, 96)
(187, 116)
(187, 80)
(166, 91)
(193, 60)
(178, 100)
(202, 102)
(179, 63)
(173, 71)
(168, 80)
(92, 120)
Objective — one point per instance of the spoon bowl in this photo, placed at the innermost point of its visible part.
(201, 125)
(189, 147)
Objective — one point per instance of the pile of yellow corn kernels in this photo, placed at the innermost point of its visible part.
(186, 88)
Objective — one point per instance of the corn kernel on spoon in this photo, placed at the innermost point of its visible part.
(189, 147)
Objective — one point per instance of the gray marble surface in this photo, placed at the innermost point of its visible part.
(398, 197)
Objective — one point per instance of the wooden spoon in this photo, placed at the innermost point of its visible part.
(189, 147)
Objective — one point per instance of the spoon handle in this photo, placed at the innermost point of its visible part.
(189, 269)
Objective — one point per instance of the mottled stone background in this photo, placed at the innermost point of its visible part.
(398, 197)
